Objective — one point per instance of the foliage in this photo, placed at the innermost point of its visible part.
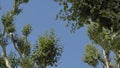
(80, 12)
(48, 46)
(102, 18)
(106, 38)
(27, 30)
(91, 55)
(48, 50)
(23, 42)
(22, 45)
(2, 63)
(13, 61)
(7, 21)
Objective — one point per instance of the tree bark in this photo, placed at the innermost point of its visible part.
(42, 66)
(106, 58)
(5, 57)
(118, 61)
(118, 64)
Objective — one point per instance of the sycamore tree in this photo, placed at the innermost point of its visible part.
(80, 12)
(103, 20)
(108, 41)
(46, 52)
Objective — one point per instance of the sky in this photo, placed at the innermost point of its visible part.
(41, 15)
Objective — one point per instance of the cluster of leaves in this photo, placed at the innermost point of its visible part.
(17, 10)
(106, 38)
(23, 42)
(92, 55)
(7, 21)
(80, 12)
(8, 18)
(27, 63)
(48, 50)
(24, 46)
(27, 30)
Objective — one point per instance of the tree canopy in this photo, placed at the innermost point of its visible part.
(80, 12)
(103, 20)
(46, 52)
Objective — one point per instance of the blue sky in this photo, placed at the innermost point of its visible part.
(41, 15)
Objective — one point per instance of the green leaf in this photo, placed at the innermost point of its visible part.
(26, 30)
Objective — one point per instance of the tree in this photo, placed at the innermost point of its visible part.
(26, 57)
(23, 46)
(48, 50)
(80, 12)
(9, 28)
(107, 40)
(102, 18)
(93, 57)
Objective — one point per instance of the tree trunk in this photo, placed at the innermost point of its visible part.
(118, 61)
(118, 64)
(107, 59)
(5, 57)
(42, 66)
(94, 67)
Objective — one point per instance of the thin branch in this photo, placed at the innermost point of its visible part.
(15, 46)
(4, 50)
